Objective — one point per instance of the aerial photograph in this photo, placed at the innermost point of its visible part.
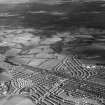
(52, 52)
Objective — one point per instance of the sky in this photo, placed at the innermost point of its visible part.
(38, 1)
(23, 1)
(13, 1)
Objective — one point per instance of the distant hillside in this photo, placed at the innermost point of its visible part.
(87, 14)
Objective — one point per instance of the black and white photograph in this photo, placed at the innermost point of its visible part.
(52, 52)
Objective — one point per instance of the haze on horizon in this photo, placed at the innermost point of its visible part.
(13, 1)
(41, 1)
(24, 1)
(38, 1)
